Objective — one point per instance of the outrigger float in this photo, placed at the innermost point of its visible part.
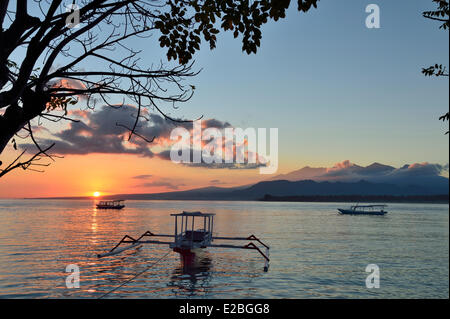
(188, 241)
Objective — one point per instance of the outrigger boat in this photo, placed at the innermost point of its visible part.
(111, 204)
(364, 210)
(188, 241)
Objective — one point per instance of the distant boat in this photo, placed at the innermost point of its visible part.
(364, 210)
(111, 204)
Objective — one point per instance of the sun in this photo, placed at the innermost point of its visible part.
(96, 194)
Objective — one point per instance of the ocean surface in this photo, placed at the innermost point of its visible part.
(315, 253)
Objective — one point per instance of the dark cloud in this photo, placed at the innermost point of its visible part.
(227, 165)
(166, 156)
(105, 131)
(216, 123)
(100, 135)
(166, 184)
(217, 182)
(142, 176)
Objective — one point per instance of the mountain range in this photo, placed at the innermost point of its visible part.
(343, 179)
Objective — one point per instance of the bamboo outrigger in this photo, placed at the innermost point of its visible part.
(188, 241)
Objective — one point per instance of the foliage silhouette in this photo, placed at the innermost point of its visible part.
(441, 15)
(101, 30)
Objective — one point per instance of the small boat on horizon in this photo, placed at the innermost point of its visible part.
(377, 210)
(111, 204)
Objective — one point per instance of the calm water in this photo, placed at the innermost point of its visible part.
(315, 253)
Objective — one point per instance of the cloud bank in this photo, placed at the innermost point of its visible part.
(106, 131)
(410, 174)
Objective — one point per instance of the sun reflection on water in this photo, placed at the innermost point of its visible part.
(314, 252)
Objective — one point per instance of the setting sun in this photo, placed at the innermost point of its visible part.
(96, 194)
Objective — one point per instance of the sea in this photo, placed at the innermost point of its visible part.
(49, 248)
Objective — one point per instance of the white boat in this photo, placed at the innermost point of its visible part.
(364, 210)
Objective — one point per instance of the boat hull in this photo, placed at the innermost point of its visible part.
(110, 207)
(190, 257)
(360, 212)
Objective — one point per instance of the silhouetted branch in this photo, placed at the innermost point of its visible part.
(105, 26)
(132, 131)
(442, 15)
(28, 164)
(435, 70)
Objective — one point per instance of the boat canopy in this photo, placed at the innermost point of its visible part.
(370, 206)
(199, 214)
(114, 201)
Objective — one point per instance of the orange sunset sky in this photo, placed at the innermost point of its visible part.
(81, 175)
(335, 90)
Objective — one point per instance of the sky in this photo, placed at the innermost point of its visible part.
(335, 90)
